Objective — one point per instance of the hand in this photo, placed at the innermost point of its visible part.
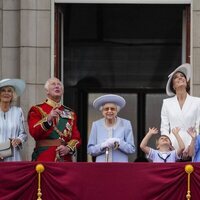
(109, 143)
(16, 142)
(185, 154)
(116, 143)
(104, 145)
(192, 132)
(55, 112)
(176, 130)
(1, 157)
(153, 131)
(62, 150)
(112, 142)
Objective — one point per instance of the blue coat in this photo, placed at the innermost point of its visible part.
(99, 134)
(196, 157)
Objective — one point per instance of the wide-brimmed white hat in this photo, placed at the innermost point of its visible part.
(17, 84)
(109, 98)
(185, 69)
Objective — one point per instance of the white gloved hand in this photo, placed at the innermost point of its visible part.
(109, 143)
(117, 140)
(112, 142)
(104, 145)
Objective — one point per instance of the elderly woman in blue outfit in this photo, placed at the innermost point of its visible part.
(111, 138)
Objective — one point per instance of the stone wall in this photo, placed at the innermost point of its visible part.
(196, 47)
(25, 31)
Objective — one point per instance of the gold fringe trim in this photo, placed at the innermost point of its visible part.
(72, 144)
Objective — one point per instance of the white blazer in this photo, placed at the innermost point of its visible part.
(173, 116)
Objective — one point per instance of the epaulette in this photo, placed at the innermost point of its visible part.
(43, 113)
(40, 104)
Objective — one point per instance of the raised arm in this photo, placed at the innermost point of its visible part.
(192, 132)
(143, 145)
(181, 145)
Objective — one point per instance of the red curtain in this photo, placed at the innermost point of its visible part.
(98, 181)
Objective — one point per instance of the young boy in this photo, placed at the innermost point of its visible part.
(165, 151)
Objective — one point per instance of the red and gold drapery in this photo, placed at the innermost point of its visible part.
(98, 181)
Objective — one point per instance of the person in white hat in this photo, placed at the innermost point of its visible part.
(11, 118)
(111, 137)
(181, 110)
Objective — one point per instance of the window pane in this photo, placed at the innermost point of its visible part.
(153, 111)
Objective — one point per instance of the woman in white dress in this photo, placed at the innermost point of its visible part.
(11, 117)
(181, 110)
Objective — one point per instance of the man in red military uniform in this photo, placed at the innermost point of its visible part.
(53, 126)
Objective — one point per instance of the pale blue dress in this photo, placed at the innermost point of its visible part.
(196, 157)
(100, 133)
(12, 126)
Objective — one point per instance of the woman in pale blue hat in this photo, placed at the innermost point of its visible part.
(111, 137)
(11, 118)
(180, 110)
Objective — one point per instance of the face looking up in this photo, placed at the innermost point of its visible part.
(163, 141)
(54, 89)
(179, 80)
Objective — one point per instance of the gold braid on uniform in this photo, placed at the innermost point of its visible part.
(61, 134)
(52, 103)
(44, 118)
(72, 144)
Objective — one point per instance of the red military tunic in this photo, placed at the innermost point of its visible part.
(63, 130)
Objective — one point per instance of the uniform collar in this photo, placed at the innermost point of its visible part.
(53, 103)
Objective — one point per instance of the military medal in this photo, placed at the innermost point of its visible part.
(65, 133)
(66, 114)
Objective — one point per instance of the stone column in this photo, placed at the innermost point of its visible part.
(196, 47)
(9, 38)
(35, 54)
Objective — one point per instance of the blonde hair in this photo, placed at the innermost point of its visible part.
(14, 94)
